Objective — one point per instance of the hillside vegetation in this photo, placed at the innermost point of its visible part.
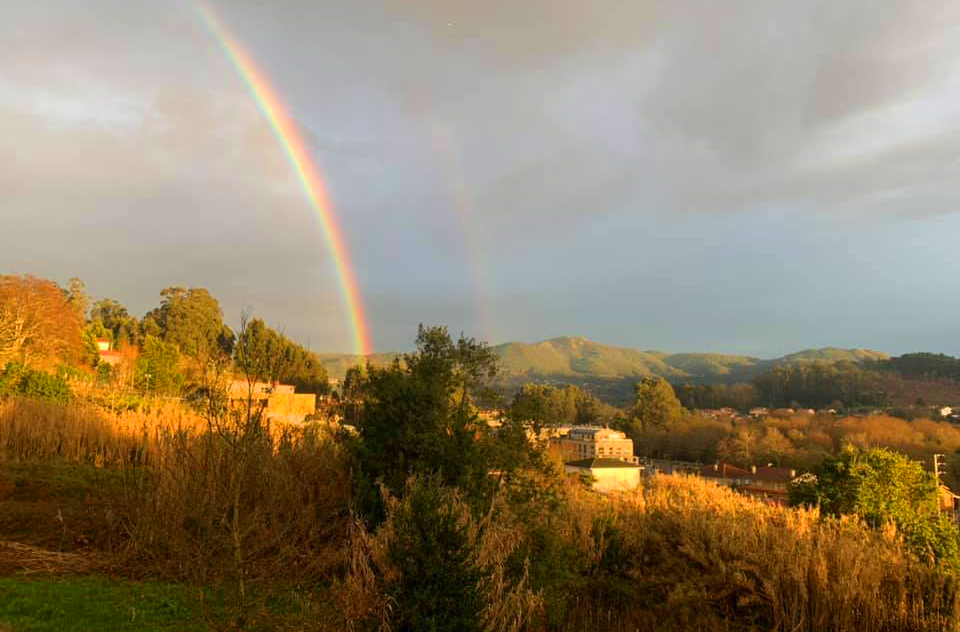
(573, 357)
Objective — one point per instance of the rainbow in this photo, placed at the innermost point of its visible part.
(306, 171)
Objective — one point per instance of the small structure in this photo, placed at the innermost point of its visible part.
(106, 353)
(607, 475)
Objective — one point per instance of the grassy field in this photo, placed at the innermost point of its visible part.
(93, 603)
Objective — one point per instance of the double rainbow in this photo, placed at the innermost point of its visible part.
(306, 171)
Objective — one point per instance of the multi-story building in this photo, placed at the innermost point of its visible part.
(584, 442)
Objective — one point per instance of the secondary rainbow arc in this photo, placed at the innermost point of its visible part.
(306, 171)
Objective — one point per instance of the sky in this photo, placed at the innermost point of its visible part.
(746, 176)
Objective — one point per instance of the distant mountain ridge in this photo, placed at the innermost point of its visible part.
(572, 358)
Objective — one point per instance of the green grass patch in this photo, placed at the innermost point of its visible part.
(95, 604)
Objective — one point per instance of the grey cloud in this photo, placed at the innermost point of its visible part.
(454, 132)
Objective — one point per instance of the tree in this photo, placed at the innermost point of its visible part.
(540, 406)
(191, 320)
(883, 487)
(78, 298)
(297, 366)
(91, 334)
(438, 584)
(36, 321)
(418, 417)
(157, 367)
(655, 404)
(125, 329)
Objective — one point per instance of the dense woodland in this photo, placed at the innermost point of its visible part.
(422, 516)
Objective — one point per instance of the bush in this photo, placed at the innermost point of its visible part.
(17, 379)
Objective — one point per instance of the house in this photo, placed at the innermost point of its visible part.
(607, 475)
(725, 474)
(769, 483)
(759, 411)
(769, 477)
(106, 353)
(585, 442)
(280, 401)
(949, 503)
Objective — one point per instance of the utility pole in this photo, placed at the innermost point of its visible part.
(936, 467)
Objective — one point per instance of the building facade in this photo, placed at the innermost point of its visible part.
(583, 442)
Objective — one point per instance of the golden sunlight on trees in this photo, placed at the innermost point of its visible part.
(37, 321)
(655, 405)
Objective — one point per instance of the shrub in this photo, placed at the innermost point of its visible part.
(17, 379)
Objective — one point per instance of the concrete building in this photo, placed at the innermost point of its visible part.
(607, 475)
(585, 442)
(282, 403)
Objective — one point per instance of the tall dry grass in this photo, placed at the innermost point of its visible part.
(229, 501)
(683, 553)
(34, 430)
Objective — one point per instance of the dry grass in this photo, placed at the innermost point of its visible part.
(201, 500)
(22, 559)
(32, 430)
(687, 553)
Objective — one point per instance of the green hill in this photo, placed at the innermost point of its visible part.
(833, 354)
(573, 359)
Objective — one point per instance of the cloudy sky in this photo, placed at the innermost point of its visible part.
(751, 176)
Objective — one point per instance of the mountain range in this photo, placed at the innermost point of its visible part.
(573, 360)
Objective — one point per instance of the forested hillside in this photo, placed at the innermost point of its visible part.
(573, 359)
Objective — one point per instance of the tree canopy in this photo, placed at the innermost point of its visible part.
(655, 404)
(190, 319)
(37, 321)
(542, 405)
(883, 487)
(289, 362)
(417, 416)
(124, 328)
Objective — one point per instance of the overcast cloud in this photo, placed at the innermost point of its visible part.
(748, 176)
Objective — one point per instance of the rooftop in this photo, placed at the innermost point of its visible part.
(601, 464)
(723, 470)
